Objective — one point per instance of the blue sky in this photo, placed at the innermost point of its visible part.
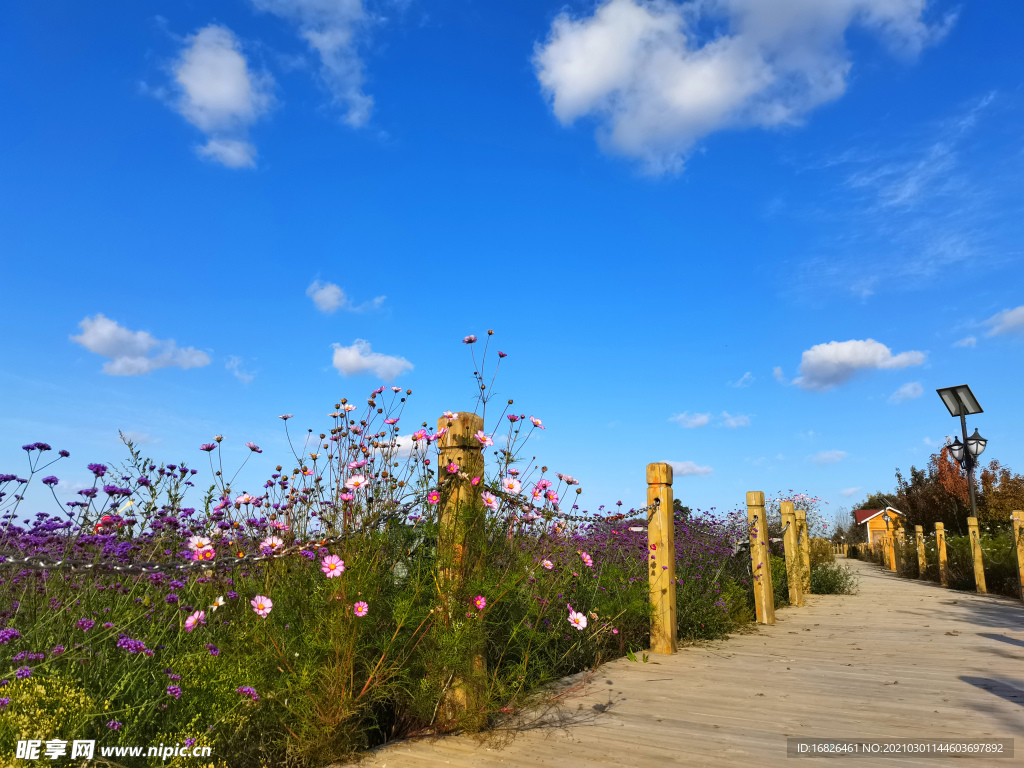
(684, 222)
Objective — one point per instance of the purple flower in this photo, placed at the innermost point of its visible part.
(254, 448)
(50, 481)
(23, 672)
(57, 650)
(208, 447)
(97, 469)
(132, 646)
(4, 701)
(85, 624)
(189, 741)
(213, 649)
(6, 635)
(63, 454)
(249, 691)
(114, 725)
(173, 690)
(42, 447)
(108, 625)
(171, 598)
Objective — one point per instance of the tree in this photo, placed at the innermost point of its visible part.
(1001, 492)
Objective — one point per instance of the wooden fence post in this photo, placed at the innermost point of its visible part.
(794, 560)
(940, 545)
(979, 563)
(460, 514)
(922, 559)
(760, 560)
(890, 548)
(805, 550)
(661, 540)
(1017, 517)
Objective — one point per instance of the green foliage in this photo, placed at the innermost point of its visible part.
(833, 579)
(780, 581)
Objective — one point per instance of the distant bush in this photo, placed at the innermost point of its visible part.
(833, 579)
(821, 552)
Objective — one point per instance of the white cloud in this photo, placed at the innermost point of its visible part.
(1007, 321)
(744, 381)
(234, 364)
(850, 491)
(824, 366)
(778, 375)
(828, 457)
(908, 391)
(684, 419)
(969, 341)
(220, 95)
(659, 75)
(230, 152)
(133, 353)
(689, 468)
(329, 298)
(733, 421)
(330, 27)
(139, 438)
(359, 358)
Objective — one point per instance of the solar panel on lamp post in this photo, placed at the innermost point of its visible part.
(960, 401)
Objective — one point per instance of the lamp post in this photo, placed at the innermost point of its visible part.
(960, 401)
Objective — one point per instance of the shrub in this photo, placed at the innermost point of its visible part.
(833, 579)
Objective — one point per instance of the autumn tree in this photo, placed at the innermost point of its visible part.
(1001, 492)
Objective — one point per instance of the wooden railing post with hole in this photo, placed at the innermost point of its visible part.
(760, 560)
(460, 515)
(1017, 516)
(662, 558)
(940, 545)
(804, 540)
(794, 559)
(979, 563)
(922, 560)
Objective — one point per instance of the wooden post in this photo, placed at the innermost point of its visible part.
(890, 547)
(979, 564)
(846, 550)
(1017, 516)
(760, 561)
(794, 560)
(940, 545)
(805, 550)
(662, 558)
(922, 559)
(460, 515)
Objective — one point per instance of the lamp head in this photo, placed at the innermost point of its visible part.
(976, 444)
(957, 449)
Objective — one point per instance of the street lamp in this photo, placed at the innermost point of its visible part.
(960, 401)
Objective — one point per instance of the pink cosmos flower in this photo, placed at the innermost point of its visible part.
(484, 438)
(204, 553)
(452, 468)
(254, 448)
(490, 500)
(578, 620)
(419, 434)
(475, 481)
(197, 542)
(501, 354)
(346, 497)
(587, 559)
(199, 617)
(272, 543)
(433, 497)
(547, 564)
(390, 421)
(551, 496)
(262, 605)
(450, 416)
(360, 609)
(357, 464)
(355, 482)
(615, 631)
(511, 485)
(514, 472)
(396, 389)
(332, 566)
(348, 407)
(285, 416)
(480, 602)
(469, 339)
(537, 423)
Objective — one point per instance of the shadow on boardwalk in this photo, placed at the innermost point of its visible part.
(900, 659)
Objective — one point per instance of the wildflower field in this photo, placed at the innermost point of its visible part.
(372, 588)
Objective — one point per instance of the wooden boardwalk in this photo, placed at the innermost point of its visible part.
(900, 659)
